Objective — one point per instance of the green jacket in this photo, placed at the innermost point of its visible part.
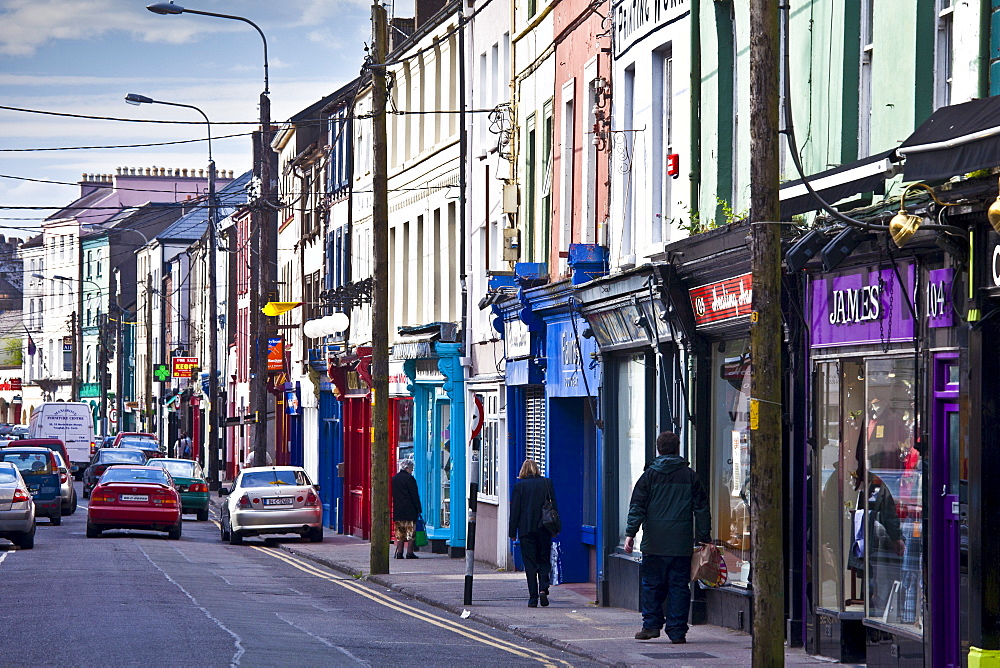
(670, 503)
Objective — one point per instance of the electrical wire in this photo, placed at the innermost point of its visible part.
(81, 148)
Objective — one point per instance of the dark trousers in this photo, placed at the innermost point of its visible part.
(536, 551)
(665, 579)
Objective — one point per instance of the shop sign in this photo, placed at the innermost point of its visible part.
(13, 385)
(566, 366)
(722, 301)
(865, 306)
(517, 338)
(291, 402)
(182, 366)
(275, 354)
(939, 309)
(634, 19)
(398, 380)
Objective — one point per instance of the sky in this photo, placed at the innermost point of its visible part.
(84, 56)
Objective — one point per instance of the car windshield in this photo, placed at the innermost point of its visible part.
(7, 475)
(125, 474)
(130, 456)
(28, 462)
(145, 443)
(181, 469)
(271, 478)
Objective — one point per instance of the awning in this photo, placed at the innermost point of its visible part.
(863, 176)
(955, 140)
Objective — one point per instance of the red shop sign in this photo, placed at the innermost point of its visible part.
(723, 300)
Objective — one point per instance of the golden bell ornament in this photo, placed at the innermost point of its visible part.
(903, 226)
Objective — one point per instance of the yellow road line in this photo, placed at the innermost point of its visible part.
(430, 618)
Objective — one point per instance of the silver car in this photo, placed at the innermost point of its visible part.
(66, 489)
(271, 500)
(17, 510)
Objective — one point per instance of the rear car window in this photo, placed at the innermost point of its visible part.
(182, 469)
(123, 474)
(130, 456)
(271, 478)
(7, 475)
(29, 462)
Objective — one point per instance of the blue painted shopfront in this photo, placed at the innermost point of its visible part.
(437, 384)
(330, 446)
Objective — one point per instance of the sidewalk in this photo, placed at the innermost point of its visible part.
(570, 623)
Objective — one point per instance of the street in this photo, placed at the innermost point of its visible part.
(135, 598)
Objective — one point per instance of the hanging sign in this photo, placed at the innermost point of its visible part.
(275, 354)
(182, 366)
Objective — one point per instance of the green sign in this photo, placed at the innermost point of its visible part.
(161, 372)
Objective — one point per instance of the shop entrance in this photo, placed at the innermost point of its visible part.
(357, 466)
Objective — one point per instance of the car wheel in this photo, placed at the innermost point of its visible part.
(27, 540)
(315, 535)
(56, 519)
(203, 515)
(86, 491)
(223, 531)
(235, 538)
(93, 531)
(175, 533)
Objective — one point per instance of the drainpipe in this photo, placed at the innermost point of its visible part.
(695, 101)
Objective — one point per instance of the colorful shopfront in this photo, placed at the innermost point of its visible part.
(889, 462)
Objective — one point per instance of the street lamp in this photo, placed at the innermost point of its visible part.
(266, 223)
(213, 293)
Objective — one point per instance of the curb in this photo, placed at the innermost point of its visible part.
(477, 617)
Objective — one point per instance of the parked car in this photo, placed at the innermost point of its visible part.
(17, 510)
(66, 489)
(148, 443)
(72, 422)
(40, 471)
(191, 483)
(19, 431)
(106, 457)
(53, 444)
(271, 500)
(134, 497)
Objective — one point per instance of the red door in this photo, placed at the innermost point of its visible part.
(357, 466)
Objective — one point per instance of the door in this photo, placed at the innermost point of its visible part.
(948, 501)
(357, 466)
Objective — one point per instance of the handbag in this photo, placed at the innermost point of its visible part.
(420, 535)
(550, 516)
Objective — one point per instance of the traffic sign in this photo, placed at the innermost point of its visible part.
(476, 419)
(161, 373)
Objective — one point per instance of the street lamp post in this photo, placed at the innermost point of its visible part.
(214, 410)
(261, 271)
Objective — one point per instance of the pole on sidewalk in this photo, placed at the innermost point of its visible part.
(470, 532)
(766, 471)
(379, 555)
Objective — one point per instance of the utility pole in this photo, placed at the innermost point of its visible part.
(149, 349)
(77, 356)
(766, 484)
(379, 558)
(214, 410)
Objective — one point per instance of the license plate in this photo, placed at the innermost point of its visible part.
(33, 491)
(134, 497)
(280, 501)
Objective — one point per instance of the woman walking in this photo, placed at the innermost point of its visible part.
(405, 508)
(529, 494)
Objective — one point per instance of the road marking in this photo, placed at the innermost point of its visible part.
(434, 620)
(3, 556)
(321, 639)
(235, 661)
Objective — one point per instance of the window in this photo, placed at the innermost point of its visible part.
(730, 473)
(547, 131)
(566, 170)
(633, 445)
(534, 427)
(663, 64)
(530, 188)
(865, 101)
(626, 247)
(490, 445)
(943, 53)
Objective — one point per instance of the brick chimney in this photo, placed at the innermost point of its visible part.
(425, 9)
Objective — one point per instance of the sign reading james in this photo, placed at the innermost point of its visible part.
(634, 19)
(722, 300)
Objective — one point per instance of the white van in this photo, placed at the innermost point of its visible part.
(70, 421)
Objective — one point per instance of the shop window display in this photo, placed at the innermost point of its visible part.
(632, 437)
(731, 457)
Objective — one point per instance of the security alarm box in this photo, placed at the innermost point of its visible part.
(510, 198)
(511, 244)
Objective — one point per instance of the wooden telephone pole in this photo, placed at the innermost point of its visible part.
(379, 559)
(766, 485)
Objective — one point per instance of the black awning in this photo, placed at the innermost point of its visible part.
(955, 140)
(863, 176)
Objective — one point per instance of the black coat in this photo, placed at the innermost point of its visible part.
(405, 498)
(526, 505)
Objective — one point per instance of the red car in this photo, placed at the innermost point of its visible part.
(138, 440)
(135, 497)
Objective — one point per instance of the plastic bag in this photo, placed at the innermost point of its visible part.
(705, 563)
(420, 535)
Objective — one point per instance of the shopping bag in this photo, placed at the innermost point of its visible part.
(705, 563)
(420, 535)
(555, 563)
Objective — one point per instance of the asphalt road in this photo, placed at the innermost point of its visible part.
(135, 598)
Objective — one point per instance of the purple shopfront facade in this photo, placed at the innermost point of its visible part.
(885, 569)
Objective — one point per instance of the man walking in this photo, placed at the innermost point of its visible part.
(670, 504)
